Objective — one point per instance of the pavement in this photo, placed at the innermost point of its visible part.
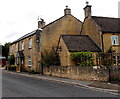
(101, 86)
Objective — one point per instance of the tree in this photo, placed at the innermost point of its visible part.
(106, 57)
(11, 60)
(50, 58)
(5, 49)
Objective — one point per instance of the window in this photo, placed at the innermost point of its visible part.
(29, 61)
(22, 45)
(114, 60)
(115, 40)
(11, 49)
(16, 47)
(30, 43)
(118, 58)
(22, 61)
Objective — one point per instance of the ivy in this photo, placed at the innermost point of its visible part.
(82, 58)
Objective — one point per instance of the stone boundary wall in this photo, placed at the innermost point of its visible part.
(78, 73)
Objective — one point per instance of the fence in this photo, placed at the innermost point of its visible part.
(114, 75)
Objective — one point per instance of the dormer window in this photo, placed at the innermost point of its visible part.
(115, 40)
(30, 43)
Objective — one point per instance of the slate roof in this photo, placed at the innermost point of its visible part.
(25, 36)
(78, 43)
(107, 24)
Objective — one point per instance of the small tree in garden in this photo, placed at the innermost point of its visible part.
(82, 58)
(50, 58)
(11, 60)
(106, 58)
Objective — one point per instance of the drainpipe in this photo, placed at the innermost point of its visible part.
(102, 42)
(41, 65)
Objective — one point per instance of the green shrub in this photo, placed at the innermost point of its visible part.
(82, 58)
(11, 60)
(50, 58)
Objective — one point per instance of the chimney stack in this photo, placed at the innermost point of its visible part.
(87, 10)
(67, 11)
(41, 23)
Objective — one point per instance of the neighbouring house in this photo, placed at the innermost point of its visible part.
(69, 44)
(67, 24)
(104, 31)
(26, 50)
(2, 61)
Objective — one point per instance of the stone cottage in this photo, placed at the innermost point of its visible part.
(26, 50)
(69, 44)
(104, 31)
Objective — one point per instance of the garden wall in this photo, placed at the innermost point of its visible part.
(78, 73)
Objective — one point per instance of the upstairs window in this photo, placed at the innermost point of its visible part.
(11, 49)
(16, 47)
(30, 43)
(22, 45)
(115, 40)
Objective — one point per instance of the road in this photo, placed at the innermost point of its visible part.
(15, 85)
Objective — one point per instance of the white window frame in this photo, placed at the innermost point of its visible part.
(22, 61)
(30, 42)
(11, 48)
(118, 59)
(22, 45)
(114, 60)
(16, 47)
(29, 61)
(115, 40)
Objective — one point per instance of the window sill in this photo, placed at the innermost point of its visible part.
(115, 45)
(30, 48)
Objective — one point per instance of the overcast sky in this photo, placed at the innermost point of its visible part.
(19, 17)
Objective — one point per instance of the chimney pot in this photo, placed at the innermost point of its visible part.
(67, 11)
(41, 23)
(87, 10)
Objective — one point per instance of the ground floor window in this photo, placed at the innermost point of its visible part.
(22, 61)
(116, 59)
(29, 61)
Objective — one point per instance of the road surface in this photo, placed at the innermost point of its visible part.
(15, 85)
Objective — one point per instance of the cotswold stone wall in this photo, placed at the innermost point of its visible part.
(78, 73)
(67, 25)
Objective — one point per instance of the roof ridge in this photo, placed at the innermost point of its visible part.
(104, 17)
(24, 36)
(73, 35)
(61, 18)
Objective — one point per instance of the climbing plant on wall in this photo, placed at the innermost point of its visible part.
(82, 58)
